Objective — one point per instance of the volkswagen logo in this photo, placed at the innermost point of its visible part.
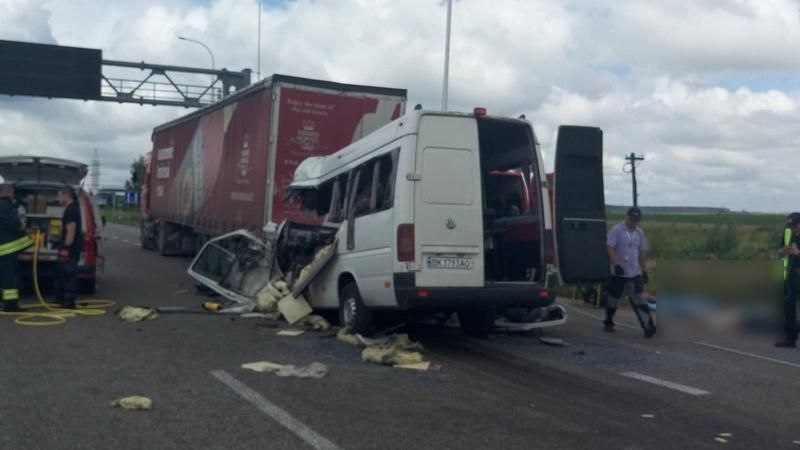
(451, 224)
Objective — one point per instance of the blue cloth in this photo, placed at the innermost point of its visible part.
(627, 244)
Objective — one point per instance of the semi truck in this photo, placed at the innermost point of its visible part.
(225, 167)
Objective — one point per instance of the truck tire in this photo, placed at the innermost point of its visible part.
(144, 239)
(161, 239)
(477, 322)
(353, 314)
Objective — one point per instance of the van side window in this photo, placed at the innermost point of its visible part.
(363, 192)
(338, 200)
(375, 190)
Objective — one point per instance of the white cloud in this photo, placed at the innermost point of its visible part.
(644, 71)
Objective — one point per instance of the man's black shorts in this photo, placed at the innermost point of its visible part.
(616, 286)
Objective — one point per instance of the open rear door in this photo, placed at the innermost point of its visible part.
(580, 209)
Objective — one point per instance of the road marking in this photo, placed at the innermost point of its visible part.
(583, 313)
(114, 237)
(664, 383)
(275, 412)
(752, 355)
(138, 244)
(126, 241)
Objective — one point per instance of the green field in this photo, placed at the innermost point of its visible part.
(729, 236)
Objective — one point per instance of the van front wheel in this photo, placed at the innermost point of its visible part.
(477, 322)
(354, 316)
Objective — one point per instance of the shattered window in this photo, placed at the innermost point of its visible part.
(363, 199)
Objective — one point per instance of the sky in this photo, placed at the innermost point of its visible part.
(707, 90)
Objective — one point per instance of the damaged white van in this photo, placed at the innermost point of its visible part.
(442, 211)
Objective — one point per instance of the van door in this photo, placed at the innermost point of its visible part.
(448, 217)
(580, 205)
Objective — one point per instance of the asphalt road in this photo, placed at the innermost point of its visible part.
(679, 390)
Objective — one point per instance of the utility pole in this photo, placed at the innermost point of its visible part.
(632, 159)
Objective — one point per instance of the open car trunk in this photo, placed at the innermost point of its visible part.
(239, 265)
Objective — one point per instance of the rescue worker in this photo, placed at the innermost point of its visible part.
(69, 249)
(627, 253)
(13, 239)
(791, 279)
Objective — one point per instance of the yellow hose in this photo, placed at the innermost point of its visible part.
(53, 314)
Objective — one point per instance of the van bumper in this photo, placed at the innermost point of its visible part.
(409, 296)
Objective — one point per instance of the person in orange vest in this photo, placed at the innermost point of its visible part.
(13, 239)
(791, 279)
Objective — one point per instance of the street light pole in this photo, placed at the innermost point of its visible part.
(447, 55)
(213, 66)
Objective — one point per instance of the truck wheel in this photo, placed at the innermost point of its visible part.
(161, 237)
(144, 239)
(87, 286)
(477, 322)
(353, 314)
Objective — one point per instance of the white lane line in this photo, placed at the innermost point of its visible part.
(114, 237)
(275, 412)
(138, 244)
(664, 383)
(126, 241)
(752, 355)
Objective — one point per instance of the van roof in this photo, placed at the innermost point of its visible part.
(317, 170)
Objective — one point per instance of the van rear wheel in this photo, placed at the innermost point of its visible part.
(354, 316)
(477, 322)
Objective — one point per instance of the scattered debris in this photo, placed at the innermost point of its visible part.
(136, 314)
(556, 342)
(266, 300)
(425, 365)
(262, 366)
(294, 309)
(579, 353)
(344, 336)
(313, 370)
(315, 323)
(133, 403)
(258, 315)
(390, 355)
(291, 333)
(648, 416)
(396, 353)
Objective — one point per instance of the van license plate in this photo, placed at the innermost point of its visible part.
(438, 262)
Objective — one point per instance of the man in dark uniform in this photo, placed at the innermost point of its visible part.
(791, 280)
(69, 249)
(13, 240)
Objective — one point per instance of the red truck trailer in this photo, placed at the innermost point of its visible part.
(224, 167)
